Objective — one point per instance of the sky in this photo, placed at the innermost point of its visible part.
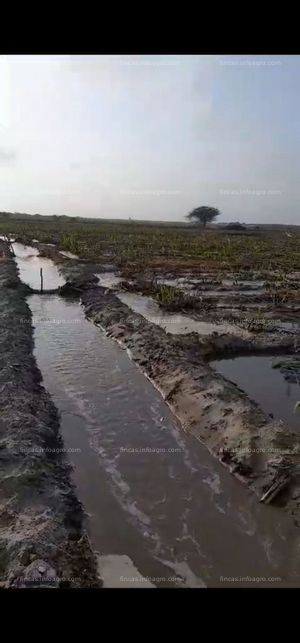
(151, 137)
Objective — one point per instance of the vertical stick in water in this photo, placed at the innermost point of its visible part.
(41, 273)
(10, 245)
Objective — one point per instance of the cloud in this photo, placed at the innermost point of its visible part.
(7, 156)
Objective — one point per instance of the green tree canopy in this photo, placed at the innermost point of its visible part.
(204, 214)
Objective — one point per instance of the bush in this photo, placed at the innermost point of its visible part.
(235, 226)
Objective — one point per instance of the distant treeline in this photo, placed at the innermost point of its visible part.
(63, 218)
(48, 217)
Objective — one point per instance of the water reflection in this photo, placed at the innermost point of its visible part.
(263, 384)
(29, 263)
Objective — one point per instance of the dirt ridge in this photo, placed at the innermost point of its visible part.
(43, 539)
(232, 426)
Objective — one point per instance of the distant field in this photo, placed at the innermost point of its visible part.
(165, 245)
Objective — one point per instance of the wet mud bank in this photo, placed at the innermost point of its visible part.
(256, 448)
(251, 303)
(43, 541)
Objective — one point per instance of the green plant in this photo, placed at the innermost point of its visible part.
(165, 294)
(257, 323)
(297, 407)
(69, 242)
(204, 214)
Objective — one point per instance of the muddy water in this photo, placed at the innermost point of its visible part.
(170, 322)
(30, 263)
(109, 279)
(265, 385)
(244, 282)
(160, 506)
(289, 327)
(174, 322)
(231, 293)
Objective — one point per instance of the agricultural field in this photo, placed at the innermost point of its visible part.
(211, 317)
(249, 275)
(167, 246)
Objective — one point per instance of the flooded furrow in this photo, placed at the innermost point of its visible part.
(265, 385)
(160, 506)
(30, 263)
(153, 493)
(175, 323)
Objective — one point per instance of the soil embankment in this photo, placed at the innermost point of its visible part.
(43, 541)
(257, 449)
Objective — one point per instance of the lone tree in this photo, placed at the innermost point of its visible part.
(204, 214)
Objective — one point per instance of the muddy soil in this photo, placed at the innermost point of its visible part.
(256, 448)
(245, 298)
(43, 541)
(216, 411)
